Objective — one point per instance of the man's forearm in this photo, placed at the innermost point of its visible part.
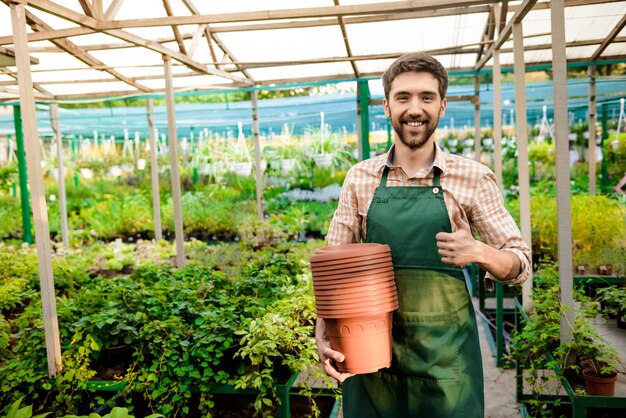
(502, 265)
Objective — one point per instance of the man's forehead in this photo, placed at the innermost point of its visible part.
(414, 82)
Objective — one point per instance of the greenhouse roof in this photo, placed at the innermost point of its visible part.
(106, 48)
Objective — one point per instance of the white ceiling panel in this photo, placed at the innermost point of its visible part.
(302, 71)
(286, 44)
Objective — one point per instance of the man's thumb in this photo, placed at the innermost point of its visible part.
(460, 223)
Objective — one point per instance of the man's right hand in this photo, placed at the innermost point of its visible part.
(328, 356)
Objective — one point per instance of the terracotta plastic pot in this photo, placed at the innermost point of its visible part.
(341, 300)
(352, 260)
(349, 250)
(340, 307)
(352, 280)
(356, 312)
(365, 342)
(599, 385)
(352, 268)
(333, 274)
(352, 292)
(354, 287)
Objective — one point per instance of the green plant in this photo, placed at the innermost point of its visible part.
(24, 412)
(7, 177)
(260, 233)
(612, 300)
(598, 225)
(537, 346)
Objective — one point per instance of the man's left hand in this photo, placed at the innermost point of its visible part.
(458, 248)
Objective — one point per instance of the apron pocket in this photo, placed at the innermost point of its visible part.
(426, 345)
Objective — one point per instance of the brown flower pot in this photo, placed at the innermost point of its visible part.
(599, 385)
(357, 312)
(350, 294)
(355, 282)
(353, 292)
(333, 274)
(346, 261)
(361, 303)
(351, 268)
(352, 249)
(365, 342)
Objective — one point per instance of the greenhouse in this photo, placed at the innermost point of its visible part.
(180, 182)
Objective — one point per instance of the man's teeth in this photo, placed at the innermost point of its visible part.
(415, 123)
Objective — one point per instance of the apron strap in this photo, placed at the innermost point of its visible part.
(383, 180)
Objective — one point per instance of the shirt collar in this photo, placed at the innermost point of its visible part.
(440, 159)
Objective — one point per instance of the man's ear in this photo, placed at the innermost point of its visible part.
(386, 107)
(442, 111)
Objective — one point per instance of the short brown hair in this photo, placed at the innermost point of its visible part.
(416, 62)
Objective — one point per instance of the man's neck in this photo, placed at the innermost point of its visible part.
(414, 160)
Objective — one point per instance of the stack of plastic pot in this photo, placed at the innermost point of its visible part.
(355, 294)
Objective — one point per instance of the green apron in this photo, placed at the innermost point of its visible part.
(436, 368)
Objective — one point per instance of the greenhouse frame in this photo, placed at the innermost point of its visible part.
(58, 54)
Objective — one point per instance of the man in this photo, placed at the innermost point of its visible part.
(426, 205)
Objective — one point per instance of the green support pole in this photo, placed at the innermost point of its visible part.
(195, 176)
(364, 106)
(605, 136)
(75, 155)
(21, 162)
(389, 137)
(499, 323)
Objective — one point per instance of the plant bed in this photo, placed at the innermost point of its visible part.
(565, 409)
(234, 316)
(238, 406)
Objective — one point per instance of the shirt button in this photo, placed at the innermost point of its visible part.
(435, 190)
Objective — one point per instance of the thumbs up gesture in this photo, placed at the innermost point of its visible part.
(458, 248)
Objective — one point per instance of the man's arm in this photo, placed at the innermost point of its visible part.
(502, 252)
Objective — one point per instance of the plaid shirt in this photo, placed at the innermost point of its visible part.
(470, 187)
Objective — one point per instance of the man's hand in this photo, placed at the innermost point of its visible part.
(458, 248)
(328, 356)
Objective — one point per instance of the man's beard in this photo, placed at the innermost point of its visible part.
(415, 141)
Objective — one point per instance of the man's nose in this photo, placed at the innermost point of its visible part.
(415, 107)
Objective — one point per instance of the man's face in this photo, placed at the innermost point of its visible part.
(414, 107)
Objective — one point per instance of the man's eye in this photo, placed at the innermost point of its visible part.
(428, 99)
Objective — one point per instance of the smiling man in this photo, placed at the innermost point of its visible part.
(427, 206)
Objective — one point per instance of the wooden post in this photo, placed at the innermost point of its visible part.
(154, 173)
(175, 170)
(38, 197)
(561, 131)
(497, 117)
(521, 130)
(477, 134)
(257, 154)
(54, 122)
(592, 130)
